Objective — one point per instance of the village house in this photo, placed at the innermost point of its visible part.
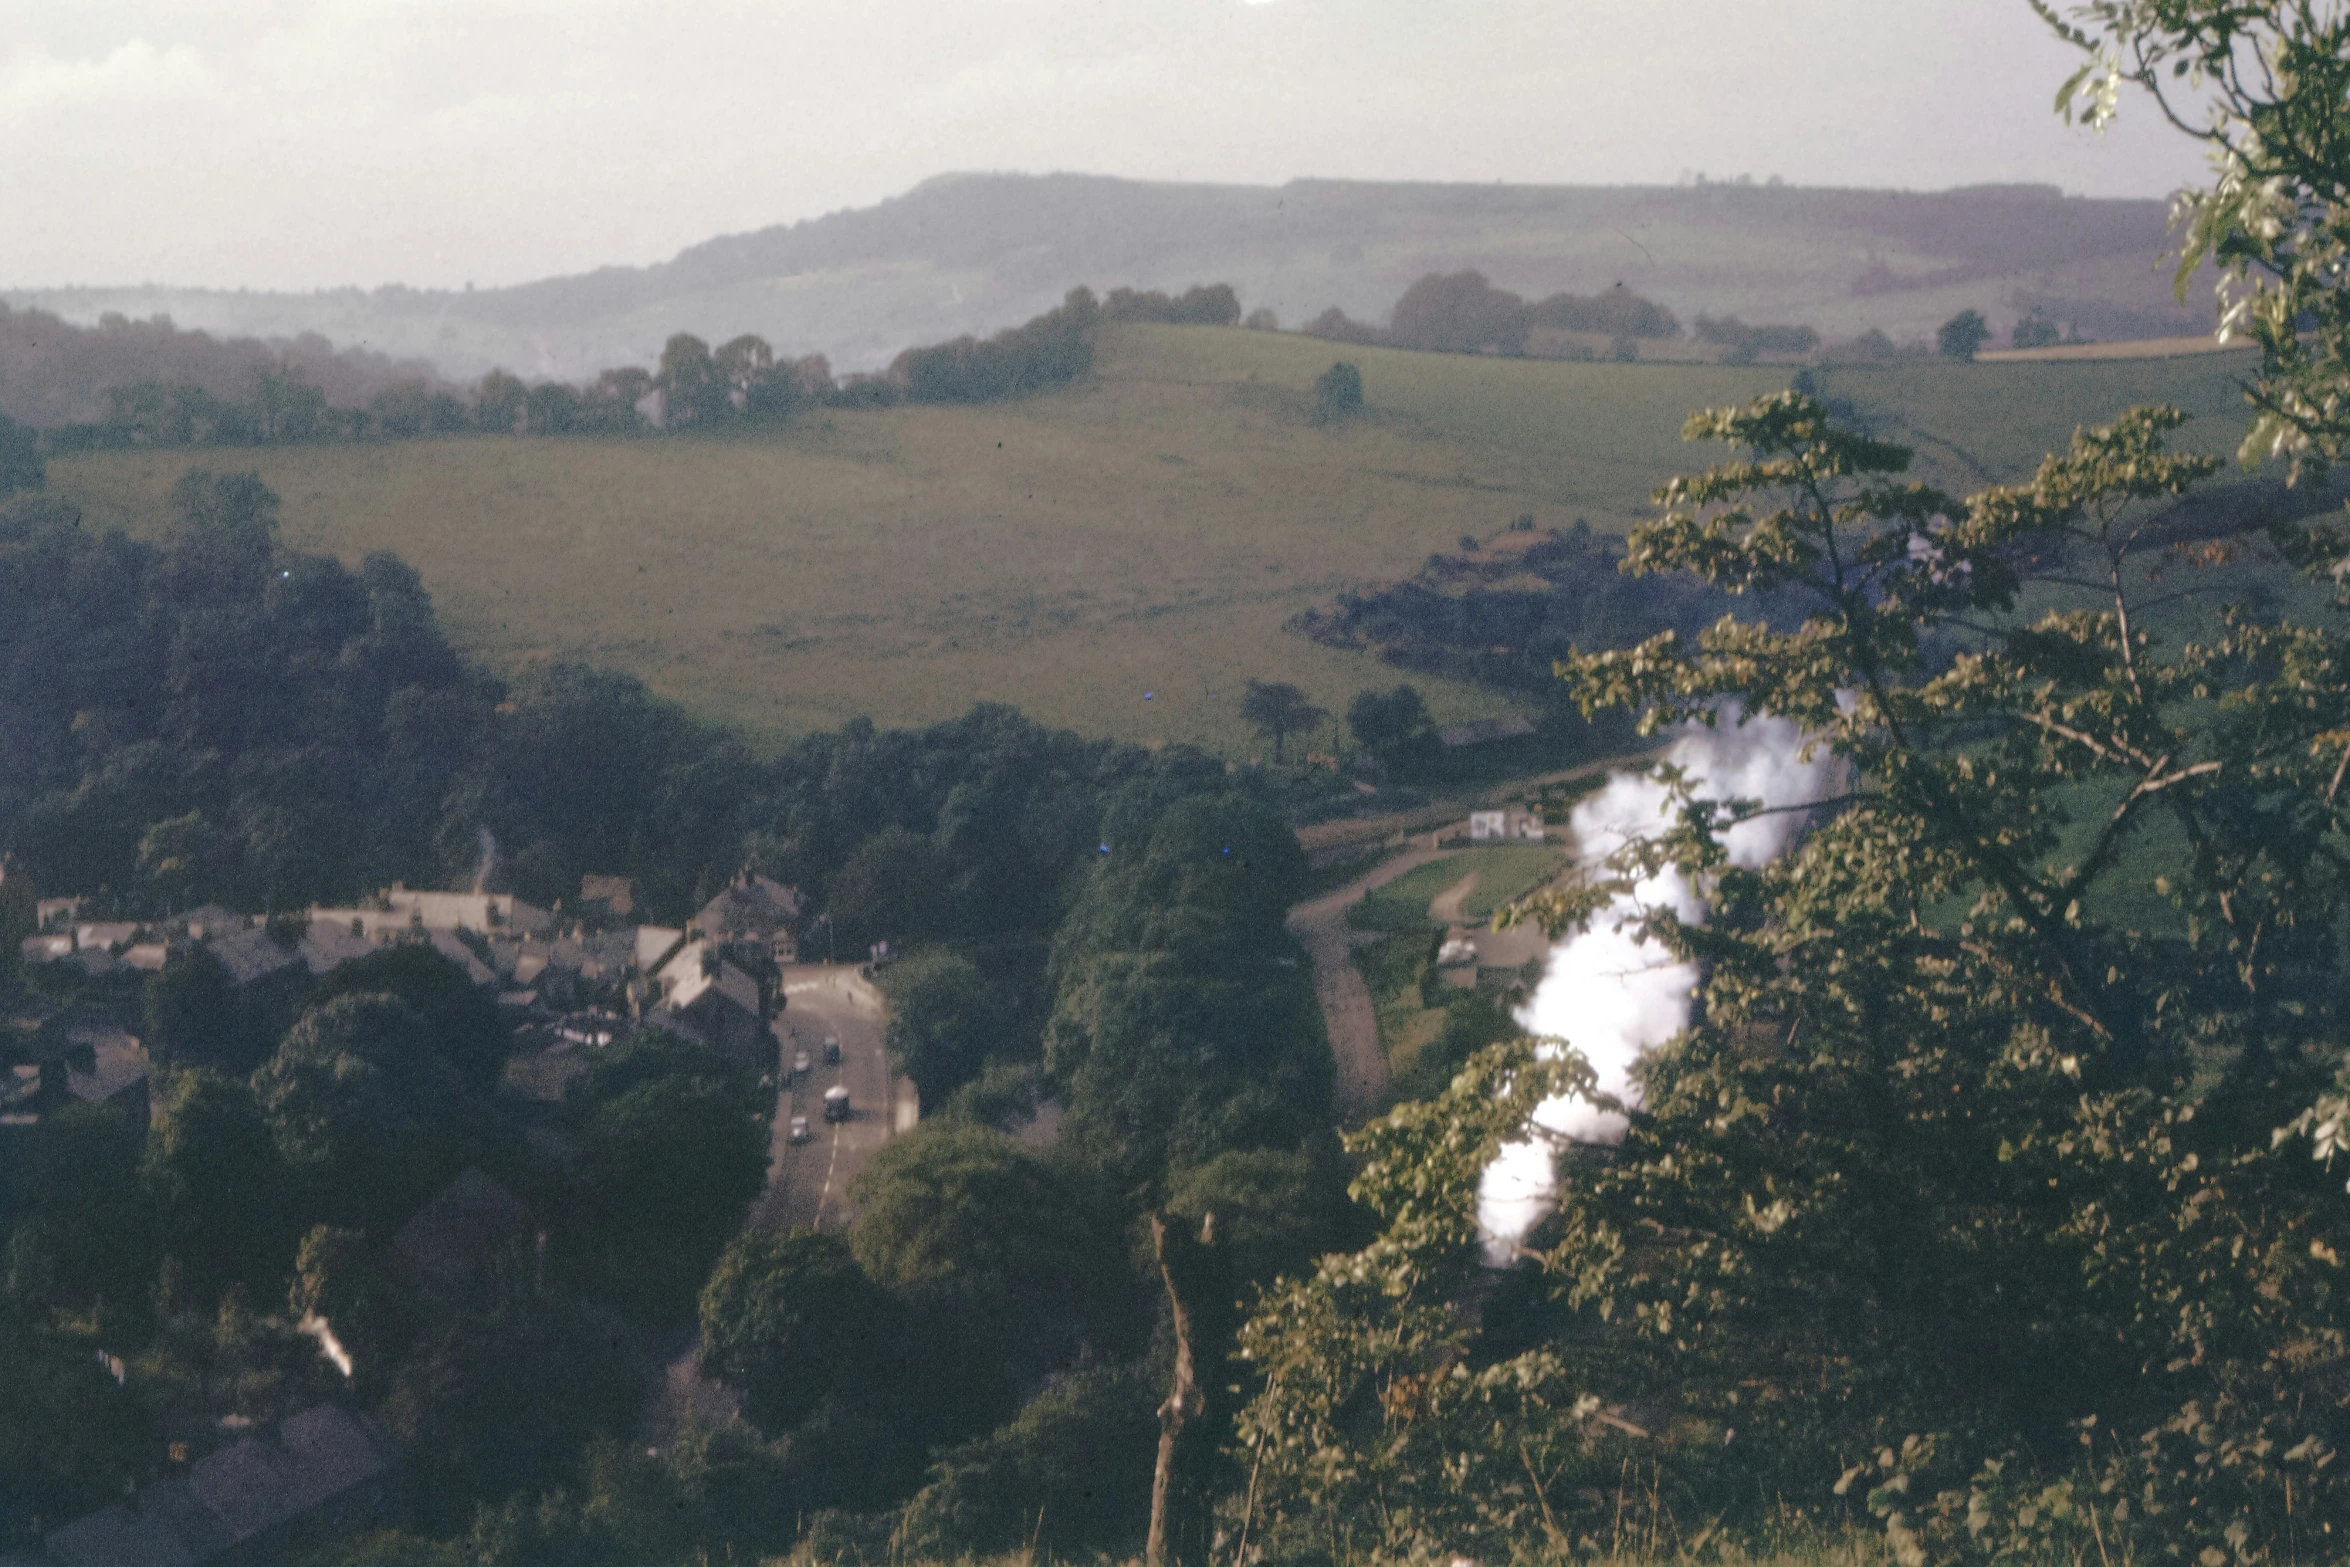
(704, 995)
(655, 945)
(316, 1475)
(583, 968)
(326, 946)
(208, 920)
(102, 1065)
(46, 948)
(753, 910)
(95, 946)
(1505, 826)
(74, 1059)
(607, 898)
(397, 911)
(486, 912)
(254, 956)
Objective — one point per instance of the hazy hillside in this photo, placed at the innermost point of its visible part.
(1118, 557)
(976, 252)
(52, 373)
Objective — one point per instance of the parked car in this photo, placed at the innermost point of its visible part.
(832, 1050)
(799, 1129)
(799, 1064)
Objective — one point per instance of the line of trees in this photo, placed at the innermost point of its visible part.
(1463, 313)
(53, 373)
(740, 384)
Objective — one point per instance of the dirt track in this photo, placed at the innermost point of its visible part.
(1346, 1001)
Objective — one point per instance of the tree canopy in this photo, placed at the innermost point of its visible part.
(1278, 710)
(1992, 1130)
(944, 1021)
(791, 1319)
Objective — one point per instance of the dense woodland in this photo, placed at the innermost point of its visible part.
(211, 718)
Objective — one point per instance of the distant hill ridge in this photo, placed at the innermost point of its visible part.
(975, 252)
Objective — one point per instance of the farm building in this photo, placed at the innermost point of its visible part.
(1507, 826)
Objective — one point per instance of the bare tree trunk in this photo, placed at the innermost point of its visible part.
(1184, 1401)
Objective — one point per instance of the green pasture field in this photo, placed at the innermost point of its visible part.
(1401, 906)
(1508, 873)
(1504, 872)
(1118, 557)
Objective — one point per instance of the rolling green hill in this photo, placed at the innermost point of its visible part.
(1118, 557)
(965, 253)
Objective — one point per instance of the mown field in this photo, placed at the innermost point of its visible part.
(1119, 557)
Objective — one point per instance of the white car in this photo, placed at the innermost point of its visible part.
(799, 1129)
(799, 1064)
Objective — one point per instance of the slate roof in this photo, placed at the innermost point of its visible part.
(752, 906)
(233, 1496)
(250, 955)
(211, 919)
(654, 943)
(482, 911)
(327, 946)
(448, 946)
(105, 933)
(118, 1065)
(616, 893)
(691, 979)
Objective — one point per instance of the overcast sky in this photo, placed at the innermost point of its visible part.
(305, 143)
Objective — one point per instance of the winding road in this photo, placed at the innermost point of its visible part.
(1347, 1014)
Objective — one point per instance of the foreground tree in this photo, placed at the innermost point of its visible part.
(2265, 88)
(693, 385)
(1378, 1433)
(1993, 1130)
(499, 402)
(944, 1021)
(791, 1320)
(366, 1114)
(666, 1172)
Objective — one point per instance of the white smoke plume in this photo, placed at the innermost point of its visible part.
(1611, 994)
(486, 861)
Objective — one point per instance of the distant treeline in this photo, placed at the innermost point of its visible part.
(164, 391)
(126, 385)
(53, 373)
(1463, 313)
